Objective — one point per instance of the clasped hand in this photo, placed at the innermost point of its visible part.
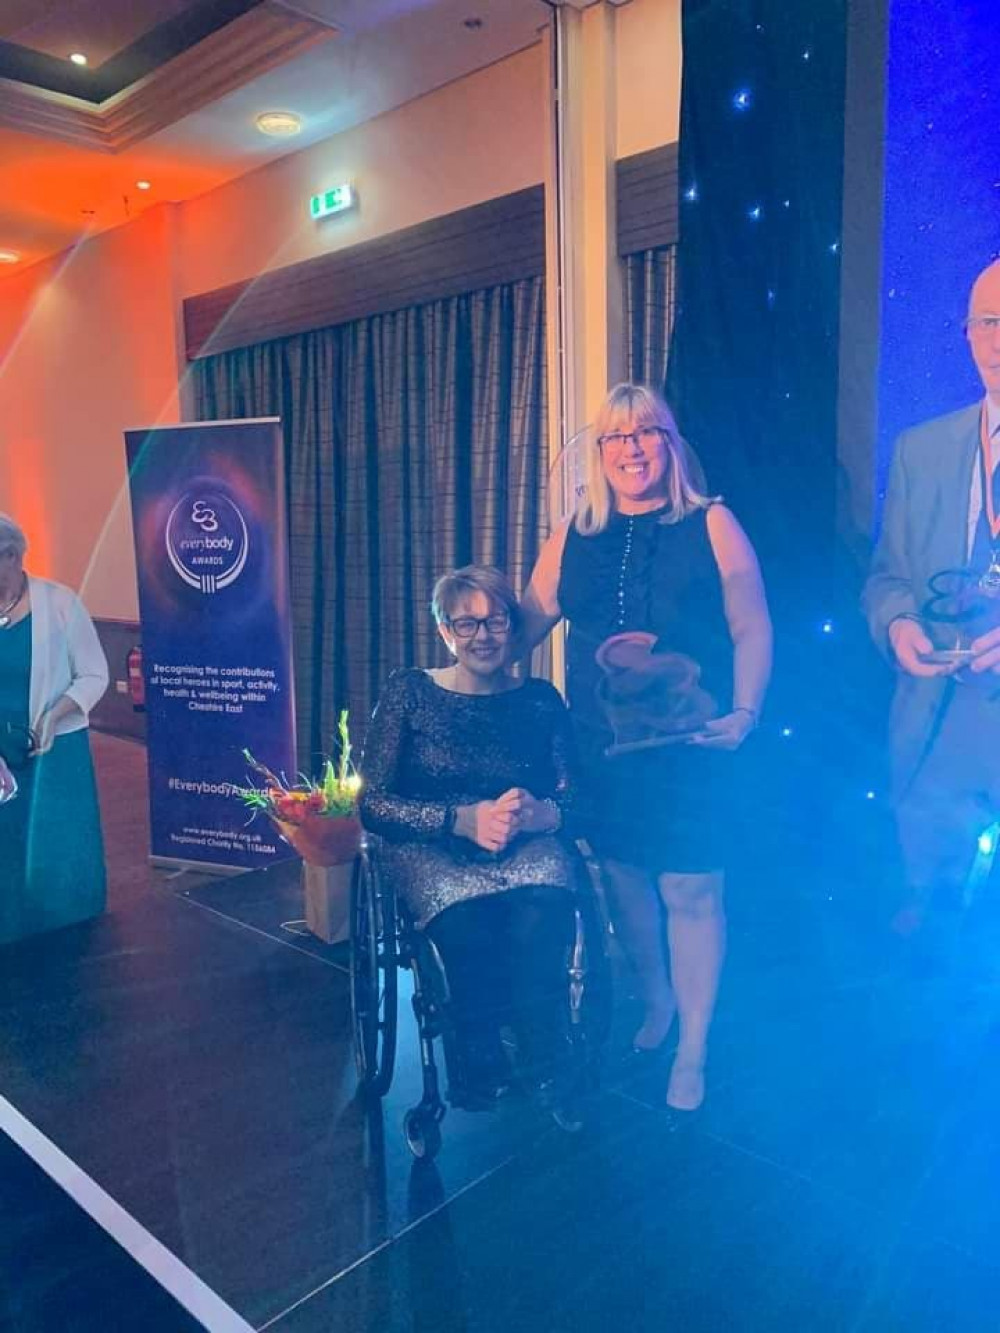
(493, 825)
(911, 644)
(987, 652)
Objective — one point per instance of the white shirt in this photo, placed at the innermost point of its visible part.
(976, 490)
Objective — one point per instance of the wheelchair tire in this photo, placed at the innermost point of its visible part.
(423, 1134)
(374, 960)
(598, 993)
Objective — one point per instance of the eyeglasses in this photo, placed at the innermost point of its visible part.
(467, 627)
(981, 326)
(645, 435)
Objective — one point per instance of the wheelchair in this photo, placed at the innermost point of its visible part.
(384, 939)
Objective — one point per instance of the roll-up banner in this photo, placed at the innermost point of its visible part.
(211, 544)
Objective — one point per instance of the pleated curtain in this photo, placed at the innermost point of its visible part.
(415, 442)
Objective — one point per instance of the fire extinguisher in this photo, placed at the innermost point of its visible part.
(136, 680)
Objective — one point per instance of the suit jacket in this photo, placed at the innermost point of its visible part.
(924, 530)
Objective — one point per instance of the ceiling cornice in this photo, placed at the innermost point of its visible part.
(243, 50)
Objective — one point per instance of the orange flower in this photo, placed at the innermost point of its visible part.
(292, 806)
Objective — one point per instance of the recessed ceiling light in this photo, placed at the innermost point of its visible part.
(143, 185)
(279, 123)
(78, 58)
(9, 257)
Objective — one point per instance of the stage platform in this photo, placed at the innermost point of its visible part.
(183, 1069)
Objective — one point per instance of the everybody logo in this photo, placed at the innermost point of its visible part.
(207, 540)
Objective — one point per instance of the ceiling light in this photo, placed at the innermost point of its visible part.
(143, 185)
(9, 257)
(78, 58)
(279, 123)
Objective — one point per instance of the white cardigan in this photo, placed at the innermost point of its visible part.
(66, 655)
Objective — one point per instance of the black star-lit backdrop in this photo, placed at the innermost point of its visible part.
(753, 368)
(753, 376)
(942, 205)
(757, 340)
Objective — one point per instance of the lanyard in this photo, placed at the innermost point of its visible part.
(986, 463)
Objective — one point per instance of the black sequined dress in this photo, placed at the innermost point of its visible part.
(429, 749)
(666, 809)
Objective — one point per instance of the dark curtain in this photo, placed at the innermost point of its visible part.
(415, 441)
(753, 375)
(753, 366)
(650, 277)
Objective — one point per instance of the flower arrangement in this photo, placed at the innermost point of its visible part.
(316, 816)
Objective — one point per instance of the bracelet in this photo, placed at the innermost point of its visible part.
(754, 715)
(556, 814)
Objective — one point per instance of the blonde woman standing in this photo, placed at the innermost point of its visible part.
(668, 661)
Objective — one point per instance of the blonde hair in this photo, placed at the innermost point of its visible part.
(632, 406)
(12, 537)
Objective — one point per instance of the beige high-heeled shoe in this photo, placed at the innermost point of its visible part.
(686, 1089)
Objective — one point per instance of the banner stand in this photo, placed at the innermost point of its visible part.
(211, 544)
(197, 867)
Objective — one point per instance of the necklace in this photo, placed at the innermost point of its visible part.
(623, 572)
(7, 612)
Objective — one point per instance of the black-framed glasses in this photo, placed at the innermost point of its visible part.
(645, 435)
(467, 627)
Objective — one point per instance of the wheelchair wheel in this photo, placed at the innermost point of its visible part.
(374, 959)
(598, 1004)
(423, 1133)
(590, 996)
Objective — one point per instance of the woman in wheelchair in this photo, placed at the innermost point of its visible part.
(469, 783)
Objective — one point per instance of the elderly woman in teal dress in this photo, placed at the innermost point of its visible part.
(52, 673)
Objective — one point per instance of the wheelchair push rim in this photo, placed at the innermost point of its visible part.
(374, 957)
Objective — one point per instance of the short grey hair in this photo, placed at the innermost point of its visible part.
(11, 536)
(488, 580)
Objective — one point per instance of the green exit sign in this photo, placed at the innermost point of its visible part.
(337, 200)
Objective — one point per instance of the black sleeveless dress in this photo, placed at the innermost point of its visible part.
(669, 808)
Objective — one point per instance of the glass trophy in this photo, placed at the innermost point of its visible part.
(962, 606)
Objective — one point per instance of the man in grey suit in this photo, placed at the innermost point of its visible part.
(942, 518)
